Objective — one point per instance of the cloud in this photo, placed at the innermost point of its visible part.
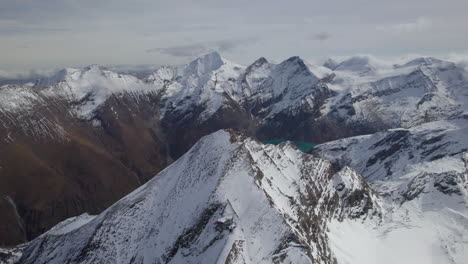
(420, 24)
(19, 30)
(229, 45)
(181, 51)
(10, 27)
(70, 32)
(139, 71)
(191, 50)
(25, 74)
(321, 36)
(23, 46)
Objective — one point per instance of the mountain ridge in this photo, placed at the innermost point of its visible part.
(100, 120)
(286, 206)
(204, 185)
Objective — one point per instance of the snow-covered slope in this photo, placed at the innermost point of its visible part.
(422, 90)
(14, 98)
(263, 88)
(90, 87)
(359, 89)
(393, 158)
(287, 206)
(279, 198)
(288, 87)
(361, 93)
(26, 110)
(422, 175)
(204, 83)
(163, 115)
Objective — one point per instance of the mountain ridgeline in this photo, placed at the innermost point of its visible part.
(80, 140)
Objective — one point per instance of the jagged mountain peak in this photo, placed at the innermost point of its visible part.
(162, 76)
(204, 64)
(260, 61)
(295, 67)
(290, 84)
(294, 60)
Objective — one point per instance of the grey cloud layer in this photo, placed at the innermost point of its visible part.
(191, 50)
(70, 32)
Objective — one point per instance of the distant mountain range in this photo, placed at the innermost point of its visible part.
(83, 138)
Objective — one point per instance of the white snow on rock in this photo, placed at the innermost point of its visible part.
(17, 98)
(90, 87)
(397, 196)
(422, 90)
(11, 255)
(270, 192)
(409, 205)
(421, 176)
(26, 109)
(203, 83)
(358, 89)
(288, 87)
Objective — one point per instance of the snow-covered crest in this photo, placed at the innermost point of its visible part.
(359, 88)
(275, 195)
(204, 83)
(90, 87)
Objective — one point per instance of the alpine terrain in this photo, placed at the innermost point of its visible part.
(284, 206)
(388, 182)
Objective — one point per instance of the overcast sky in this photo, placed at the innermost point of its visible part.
(39, 34)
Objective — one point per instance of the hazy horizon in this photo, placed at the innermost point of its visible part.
(41, 36)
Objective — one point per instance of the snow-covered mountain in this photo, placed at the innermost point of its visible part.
(420, 91)
(205, 83)
(93, 135)
(90, 87)
(286, 206)
(280, 199)
(59, 144)
(361, 93)
(286, 87)
(421, 175)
